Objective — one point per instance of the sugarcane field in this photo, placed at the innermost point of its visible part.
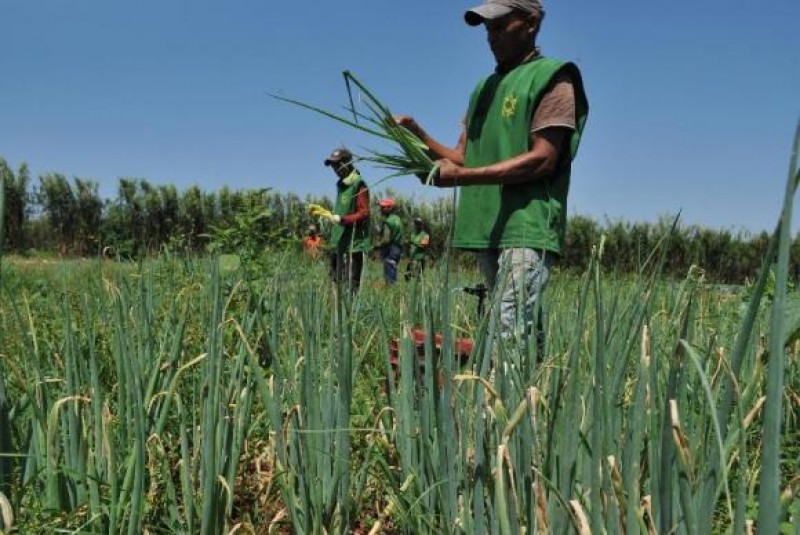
(500, 267)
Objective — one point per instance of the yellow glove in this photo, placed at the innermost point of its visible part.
(323, 213)
(312, 208)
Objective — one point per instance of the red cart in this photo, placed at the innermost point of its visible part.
(462, 347)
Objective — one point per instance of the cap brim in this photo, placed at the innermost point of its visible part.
(477, 15)
(330, 162)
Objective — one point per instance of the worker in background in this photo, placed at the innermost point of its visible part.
(390, 242)
(312, 242)
(350, 219)
(418, 249)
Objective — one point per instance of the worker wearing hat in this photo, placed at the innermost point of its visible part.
(418, 249)
(391, 240)
(513, 161)
(350, 218)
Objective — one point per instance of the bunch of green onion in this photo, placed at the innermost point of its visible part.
(410, 156)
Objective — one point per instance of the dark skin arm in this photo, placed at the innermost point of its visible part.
(539, 162)
(362, 208)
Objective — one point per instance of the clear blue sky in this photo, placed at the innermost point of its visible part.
(693, 104)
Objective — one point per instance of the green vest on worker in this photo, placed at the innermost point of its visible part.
(415, 252)
(395, 228)
(498, 126)
(349, 238)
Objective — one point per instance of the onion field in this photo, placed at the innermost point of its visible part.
(189, 395)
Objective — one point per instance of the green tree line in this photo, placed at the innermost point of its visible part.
(69, 217)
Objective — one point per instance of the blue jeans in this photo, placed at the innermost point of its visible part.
(518, 277)
(391, 257)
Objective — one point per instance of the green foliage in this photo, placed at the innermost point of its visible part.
(17, 206)
(167, 396)
(6, 447)
(120, 364)
(241, 233)
(58, 202)
(770, 506)
(144, 219)
(247, 235)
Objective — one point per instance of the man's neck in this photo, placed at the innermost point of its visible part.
(525, 57)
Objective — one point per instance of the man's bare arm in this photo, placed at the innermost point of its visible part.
(538, 163)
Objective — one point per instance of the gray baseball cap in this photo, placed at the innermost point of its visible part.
(494, 9)
(340, 155)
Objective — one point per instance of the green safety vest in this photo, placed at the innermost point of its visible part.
(352, 237)
(498, 125)
(394, 226)
(415, 251)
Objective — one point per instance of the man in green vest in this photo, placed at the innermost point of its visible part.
(418, 244)
(513, 160)
(350, 218)
(391, 240)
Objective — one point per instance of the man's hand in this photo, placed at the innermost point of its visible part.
(410, 124)
(444, 175)
(448, 174)
(434, 148)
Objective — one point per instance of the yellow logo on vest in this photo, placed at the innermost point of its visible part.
(509, 106)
